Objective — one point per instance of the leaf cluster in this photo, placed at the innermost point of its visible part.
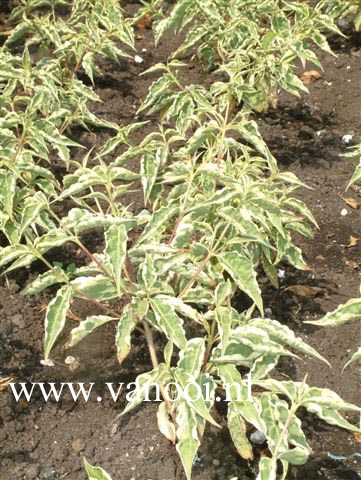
(217, 212)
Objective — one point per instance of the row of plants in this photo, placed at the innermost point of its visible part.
(43, 98)
(216, 211)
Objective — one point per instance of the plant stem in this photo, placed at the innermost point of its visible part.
(20, 146)
(151, 346)
(155, 364)
(204, 262)
(195, 276)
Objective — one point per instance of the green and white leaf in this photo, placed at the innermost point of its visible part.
(45, 280)
(187, 435)
(55, 317)
(116, 249)
(356, 357)
(95, 473)
(87, 326)
(165, 424)
(243, 273)
(169, 322)
(237, 428)
(192, 356)
(351, 310)
(125, 327)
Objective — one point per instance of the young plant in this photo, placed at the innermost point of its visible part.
(252, 46)
(217, 211)
(210, 222)
(40, 100)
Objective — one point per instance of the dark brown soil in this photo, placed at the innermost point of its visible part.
(48, 440)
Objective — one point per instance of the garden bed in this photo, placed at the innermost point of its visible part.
(47, 440)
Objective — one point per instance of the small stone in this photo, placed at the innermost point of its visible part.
(17, 471)
(47, 363)
(342, 22)
(344, 212)
(78, 445)
(268, 312)
(257, 437)
(72, 362)
(69, 360)
(32, 472)
(48, 473)
(216, 462)
(347, 138)
(138, 59)
(281, 273)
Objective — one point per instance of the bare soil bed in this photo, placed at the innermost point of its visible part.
(47, 441)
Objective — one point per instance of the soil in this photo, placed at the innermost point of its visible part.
(47, 441)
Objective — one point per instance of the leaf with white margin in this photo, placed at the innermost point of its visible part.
(356, 357)
(246, 344)
(99, 287)
(144, 383)
(187, 435)
(55, 317)
(147, 271)
(45, 280)
(87, 326)
(322, 401)
(223, 291)
(31, 210)
(116, 249)
(165, 425)
(224, 322)
(237, 428)
(158, 221)
(149, 170)
(241, 269)
(237, 392)
(95, 473)
(181, 307)
(12, 252)
(169, 322)
(267, 469)
(282, 333)
(125, 327)
(52, 239)
(263, 366)
(247, 229)
(193, 395)
(325, 404)
(351, 310)
(7, 191)
(192, 356)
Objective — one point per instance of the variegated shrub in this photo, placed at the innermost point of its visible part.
(216, 213)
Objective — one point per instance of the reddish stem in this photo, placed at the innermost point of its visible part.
(174, 230)
(193, 279)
